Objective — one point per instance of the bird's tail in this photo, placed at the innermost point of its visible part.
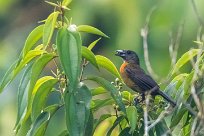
(166, 97)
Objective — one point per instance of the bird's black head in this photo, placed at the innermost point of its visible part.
(128, 55)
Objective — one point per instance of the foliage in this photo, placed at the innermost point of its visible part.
(80, 103)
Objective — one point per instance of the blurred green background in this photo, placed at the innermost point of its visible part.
(122, 20)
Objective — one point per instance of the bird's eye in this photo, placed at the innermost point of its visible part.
(128, 52)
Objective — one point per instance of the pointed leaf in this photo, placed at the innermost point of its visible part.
(66, 2)
(98, 103)
(108, 65)
(69, 50)
(89, 55)
(184, 59)
(101, 119)
(132, 117)
(110, 87)
(98, 91)
(40, 97)
(92, 45)
(91, 29)
(32, 38)
(49, 28)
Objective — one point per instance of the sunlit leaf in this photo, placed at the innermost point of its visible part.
(92, 45)
(40, 97)
(110, 87)
(101, 119)
(49, 28)
(32, 38)
(108, 65)
(132, 117)
(184, 59)
(52, 4)
(66, 2)
(69, 50)
(98, 91)
(89, 55)
(91, 29)
(127, 95)
(117, 121)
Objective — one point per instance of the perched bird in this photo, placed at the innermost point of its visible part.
(136, 78)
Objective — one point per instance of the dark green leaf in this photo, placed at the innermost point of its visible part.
(108, 65)
(117, 121)
(91, 29)
(33, 37)
(89, 125)
(92, 45)
(69, 50)
(89, 55)
(132, 117)
(64, 133)
(161, 128)
(110, 87)
(49, 28)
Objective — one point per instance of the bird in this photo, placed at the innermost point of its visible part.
(136, 78)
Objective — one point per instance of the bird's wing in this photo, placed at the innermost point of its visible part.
(142, 80)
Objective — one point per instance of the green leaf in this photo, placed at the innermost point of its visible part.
(29, 56)
(71, 116)
(101, 119)
(89, 125)
(98, 91)
(184, 59)
(52, 3)
(32, 38)
(132, 117)
(177, 118)
(127, 96)
(89, 55)
(92, 45)
(91, 29)
(8, 77)
(69, 50)
(37, 68)
(40, 125)
(40, 97)
(108, 65)
(114, 92)
(49, 28)
(117, 121)
(66, 2)
(22, 97)
(83, 99)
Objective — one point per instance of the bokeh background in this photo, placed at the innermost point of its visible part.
(122, 20)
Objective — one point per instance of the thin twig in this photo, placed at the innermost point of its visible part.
(144, 34)
(146, 130)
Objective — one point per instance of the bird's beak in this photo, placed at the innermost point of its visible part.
(120, 53)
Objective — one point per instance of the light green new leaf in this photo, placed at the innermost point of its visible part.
(91, 29)
(132, 117)
(49, 28)
(127, 96)
(101, 119)
(184, 59)
(22, 97)
(32, 38)
(69, 50)
(108, 65)
(89, 55)
(114, 92)
(66, 2)
(40, 97)
(98, 103)
(98, 91)
(92, 45)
